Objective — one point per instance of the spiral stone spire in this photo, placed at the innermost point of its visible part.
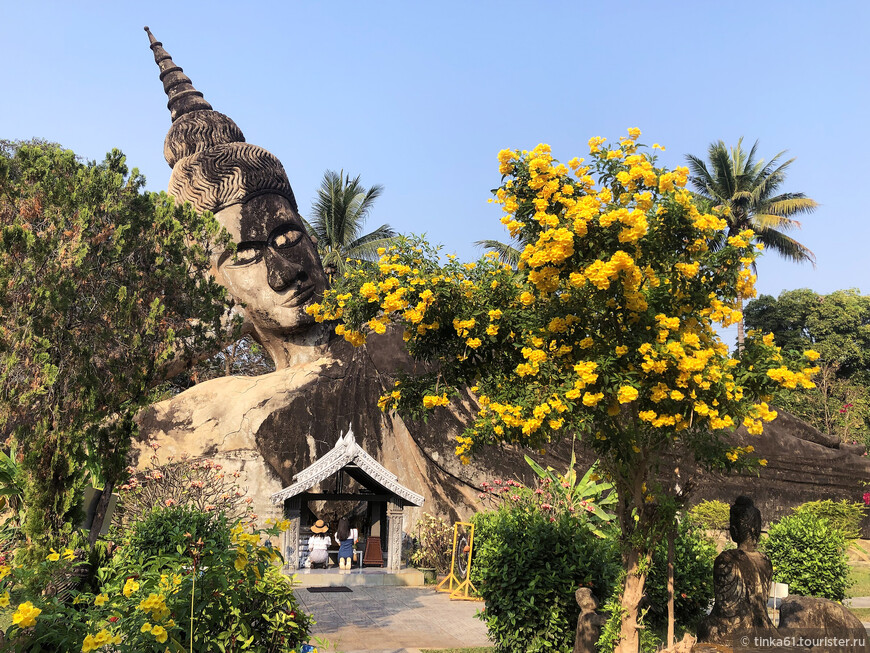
(183, 97)
(212, 165)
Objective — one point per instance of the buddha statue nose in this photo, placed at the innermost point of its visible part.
(282, 272)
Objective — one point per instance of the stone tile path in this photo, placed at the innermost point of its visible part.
(393, 619)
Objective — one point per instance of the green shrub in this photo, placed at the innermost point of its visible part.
(844, 516)
(199, 601)
(163, 530)
(809, 555)
(694, 554)
(712, 515)
(530, 564)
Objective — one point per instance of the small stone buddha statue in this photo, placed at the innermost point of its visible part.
(741, 581)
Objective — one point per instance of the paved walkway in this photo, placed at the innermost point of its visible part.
(393, 619)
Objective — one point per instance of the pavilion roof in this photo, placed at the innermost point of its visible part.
(347, 454)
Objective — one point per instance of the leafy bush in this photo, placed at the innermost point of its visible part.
(844, 516)
(809, 555)
(694, 554)
(204, 600)
(529, 564)
(164, 530)
(197, 482)
(434, 547)
(712, 515)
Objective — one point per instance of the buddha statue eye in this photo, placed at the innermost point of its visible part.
(247, 253)
(285, 237)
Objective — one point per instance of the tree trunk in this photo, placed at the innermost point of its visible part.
(671, 619)
(100, 512)
(632, 595)
(741, 335)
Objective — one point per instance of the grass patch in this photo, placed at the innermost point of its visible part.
(861, 578)
(862, 613)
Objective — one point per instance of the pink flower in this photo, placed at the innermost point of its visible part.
(170, 502)
(515, 497)
(481, 495)
(497, 481)
(538, 491)
(867, 498)
(197, 484)
(546, 506)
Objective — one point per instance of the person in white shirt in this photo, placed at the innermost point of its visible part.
(318, 544)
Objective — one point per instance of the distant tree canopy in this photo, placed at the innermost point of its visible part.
(99, 285)
(838, 327)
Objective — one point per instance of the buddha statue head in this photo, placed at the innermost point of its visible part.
(745, 523)
(275, 272)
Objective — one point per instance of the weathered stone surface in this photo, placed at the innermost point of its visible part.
(273, 426)
(589, 622)
(803, 465)
(817, 618)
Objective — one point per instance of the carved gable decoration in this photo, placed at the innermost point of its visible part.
(348, 455)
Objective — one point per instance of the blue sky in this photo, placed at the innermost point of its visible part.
(421, 97)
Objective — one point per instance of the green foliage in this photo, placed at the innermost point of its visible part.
(571, 492)
(339, 211)
(609, 638)
(434, 545)
(843, 516)
(836, 325)
(809, 555)
(166, 530)
(694, 554)
(98, 284)
(529, 565)
(713, 515)
(201, 599)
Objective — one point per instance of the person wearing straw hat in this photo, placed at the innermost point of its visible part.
(318, 544)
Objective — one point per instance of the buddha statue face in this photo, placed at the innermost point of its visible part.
(275, 272)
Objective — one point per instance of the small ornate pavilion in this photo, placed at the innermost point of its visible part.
(379, 486)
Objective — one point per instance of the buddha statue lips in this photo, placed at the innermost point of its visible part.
(276, 271)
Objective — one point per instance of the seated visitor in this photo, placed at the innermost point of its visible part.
(318, 545)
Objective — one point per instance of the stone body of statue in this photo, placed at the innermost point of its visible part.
(273, 426)
(741, 581)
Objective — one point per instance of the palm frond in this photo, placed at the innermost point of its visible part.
(789, 204)
(509, 254)
(785, 246)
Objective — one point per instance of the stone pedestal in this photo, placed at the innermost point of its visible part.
(293, 512)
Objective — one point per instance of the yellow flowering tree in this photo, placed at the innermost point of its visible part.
(606, 330)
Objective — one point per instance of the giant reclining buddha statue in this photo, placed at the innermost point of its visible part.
(275, 425)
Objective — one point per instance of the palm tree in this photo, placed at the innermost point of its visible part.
(750, 189)
(508, 253)
(339, 211)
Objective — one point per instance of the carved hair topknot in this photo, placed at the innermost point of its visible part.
(197, 131)
(212, 166)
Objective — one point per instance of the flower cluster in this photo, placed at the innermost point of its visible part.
(606, 328)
